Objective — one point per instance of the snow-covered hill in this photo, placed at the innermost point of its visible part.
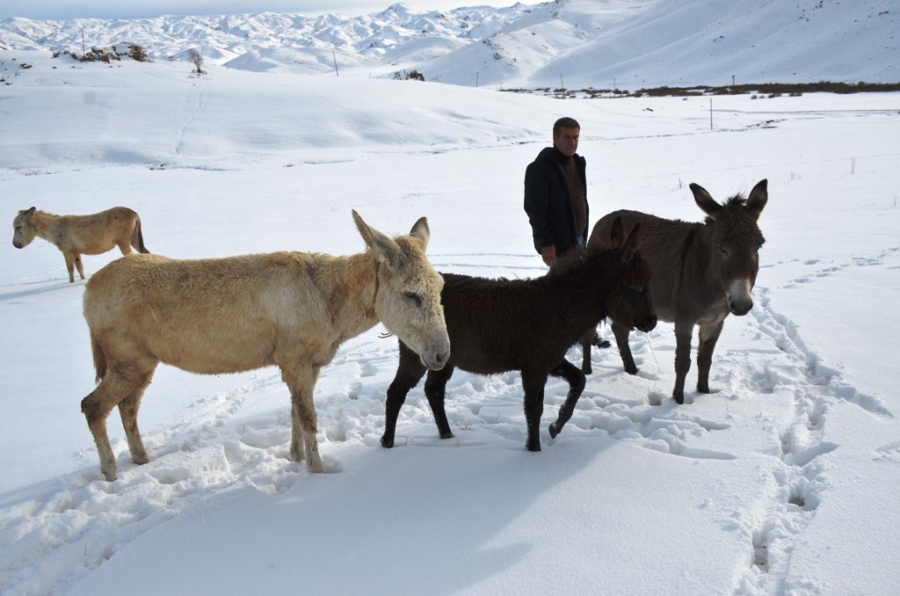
(572, 43)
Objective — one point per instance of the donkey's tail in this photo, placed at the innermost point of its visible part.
(137, 238)
(99, 359)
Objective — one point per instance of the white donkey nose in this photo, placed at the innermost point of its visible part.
(739, 299)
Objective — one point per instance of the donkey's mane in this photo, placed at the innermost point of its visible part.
(574, 260)
(737, 200)
(42, 212)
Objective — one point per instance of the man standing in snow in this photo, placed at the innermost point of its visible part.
(556, 194)
(556, 197)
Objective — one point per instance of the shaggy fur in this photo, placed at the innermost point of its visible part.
(77, 235)
(499, 325)
(289, 309)
(701, 273)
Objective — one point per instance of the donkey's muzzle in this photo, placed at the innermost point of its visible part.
(436, 361)
(437, 355)
(739, 300)
(740, 308)
(647, 324)
(18, 244)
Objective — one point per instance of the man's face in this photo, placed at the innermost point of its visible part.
(566, 142)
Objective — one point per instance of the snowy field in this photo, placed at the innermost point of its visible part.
(784, 480)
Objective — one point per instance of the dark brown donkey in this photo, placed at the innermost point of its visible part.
(701, 273)
(500, 325)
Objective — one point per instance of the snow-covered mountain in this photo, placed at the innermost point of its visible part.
(571, 43)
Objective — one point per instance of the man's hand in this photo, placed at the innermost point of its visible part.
(548, 254)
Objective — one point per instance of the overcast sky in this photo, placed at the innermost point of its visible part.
(67, 9)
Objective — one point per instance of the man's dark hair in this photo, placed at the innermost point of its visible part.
(565, 122)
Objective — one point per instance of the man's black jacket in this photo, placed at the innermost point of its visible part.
(548, 202)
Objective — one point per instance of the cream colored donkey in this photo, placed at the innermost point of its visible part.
(289, 309)
(77, 235)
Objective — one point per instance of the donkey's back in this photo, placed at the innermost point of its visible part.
(492, 322)
(663, 244)
(99, 232)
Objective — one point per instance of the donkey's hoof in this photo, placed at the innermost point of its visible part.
(386, 442)
(679, 399)
(317, 467)
(533, 446)
(447, 435)
(555, 429)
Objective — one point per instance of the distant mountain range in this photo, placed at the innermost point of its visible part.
(564, 43)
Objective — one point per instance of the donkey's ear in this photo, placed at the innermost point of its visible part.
(420, 230)
(29, 211)
(759, 196)
(617, 232)
(631, 244)
(384, 246)
(705, 201)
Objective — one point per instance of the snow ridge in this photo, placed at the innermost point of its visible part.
(566, 43)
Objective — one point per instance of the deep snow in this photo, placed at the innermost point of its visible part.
(783, 481)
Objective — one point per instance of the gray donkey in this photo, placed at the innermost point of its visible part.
(701, 273)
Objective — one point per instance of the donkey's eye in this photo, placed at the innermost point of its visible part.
(414, 297)
(723, 251)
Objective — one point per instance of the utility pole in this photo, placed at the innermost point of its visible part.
(334, 57)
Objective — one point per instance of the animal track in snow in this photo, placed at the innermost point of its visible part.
(817, 377)
(889, 452)
(836, 269)
(798, 484)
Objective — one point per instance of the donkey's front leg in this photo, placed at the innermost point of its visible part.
(708, 335)
(575, 377)
(298, 451)
(435, 391)
(622, 334)
(79, 265)
(409, 373)
(301, 380)
(70, 265)
(533, 383)
(683, 332)
(586, 341)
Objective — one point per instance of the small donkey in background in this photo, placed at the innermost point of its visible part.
(77, 235)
